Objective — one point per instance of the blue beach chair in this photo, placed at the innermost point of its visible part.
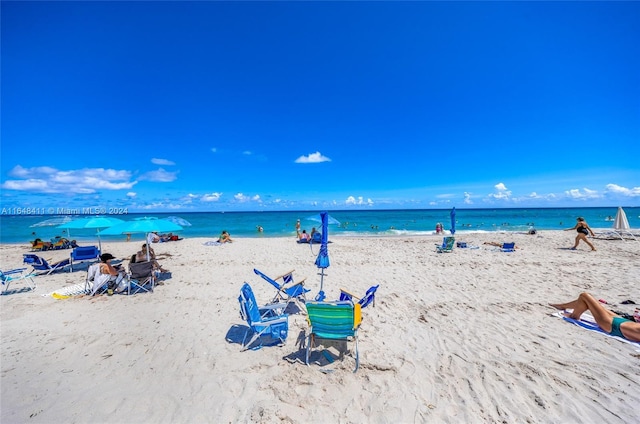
(268, 320)
(15, 275)
(364, 301)
(41, 264)
(84, 254)
(295, 292)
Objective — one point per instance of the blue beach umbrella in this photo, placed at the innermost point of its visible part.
(144, 225)
(318, 218)
(322, 261)
(96, 222)
(453, 220)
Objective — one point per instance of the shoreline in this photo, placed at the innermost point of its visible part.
(466, 335)
(333, 235)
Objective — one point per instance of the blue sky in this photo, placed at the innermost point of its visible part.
(221, 106)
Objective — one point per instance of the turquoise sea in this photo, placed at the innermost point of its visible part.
(22, 228)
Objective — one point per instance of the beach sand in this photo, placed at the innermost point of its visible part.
(461, 337)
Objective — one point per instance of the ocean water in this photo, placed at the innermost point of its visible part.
(22, 228)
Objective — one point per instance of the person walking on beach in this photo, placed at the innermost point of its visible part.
(298, 229)
(583, 230)
(611, 323)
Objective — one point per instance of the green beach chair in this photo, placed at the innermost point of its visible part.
(335, 321)
(447, 245)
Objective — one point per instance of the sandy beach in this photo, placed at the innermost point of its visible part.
(461, 337)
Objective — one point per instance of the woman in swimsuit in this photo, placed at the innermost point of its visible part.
(607, 320)
(583, 230)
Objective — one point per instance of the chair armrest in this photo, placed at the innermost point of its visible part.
(274, 306)
(14, 271)
(348, 293)
(283, 275)
(297, 283)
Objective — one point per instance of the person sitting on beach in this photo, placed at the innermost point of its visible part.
(610, 322)
(313, 231)
(147, 252)
(583, 230)
(225, 237)
(304, 237)
(114, 275)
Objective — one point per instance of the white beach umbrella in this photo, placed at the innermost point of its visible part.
(621, 222)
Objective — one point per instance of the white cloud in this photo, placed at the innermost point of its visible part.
(20, 172)
(359, 201)
(160, 176)
(82, 181)
(503, 192)
(131, 194)
(629, 192)
(313, 158)
(213, 197)
(581, 195)
(467, 198)
(242, 198)
(162, 162)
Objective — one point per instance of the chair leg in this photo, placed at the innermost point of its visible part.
(256, 335)
(357, 355)
(306, 359)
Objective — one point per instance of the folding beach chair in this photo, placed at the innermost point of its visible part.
(508, 247)
(295, 292)
(268, 320)
(16, 275)
(141, 277)
(41, 264)
(364, 301)
(95, 283)
(334, 321)
(84, 254)
(447, 245)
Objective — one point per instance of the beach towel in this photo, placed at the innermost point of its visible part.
(212, 243)
(587, 322)
(68, 291)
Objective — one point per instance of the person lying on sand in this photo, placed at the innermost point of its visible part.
(495, 243)
(610, 322)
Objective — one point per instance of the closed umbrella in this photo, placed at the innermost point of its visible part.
(322, 261)
(96, 222)
(453, 220)
(144, 225)
(621, 222)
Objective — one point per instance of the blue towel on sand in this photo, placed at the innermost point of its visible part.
(587, 322)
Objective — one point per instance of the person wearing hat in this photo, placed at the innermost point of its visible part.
(115, 275)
